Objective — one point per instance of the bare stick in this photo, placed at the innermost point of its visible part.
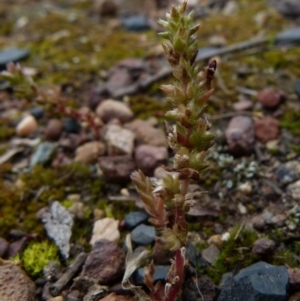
(72, 270)
(134, 88)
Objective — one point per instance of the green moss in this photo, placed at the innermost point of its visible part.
(290, 121)
(235, 253)
(37, 255)
(41, 186)
(144, 107)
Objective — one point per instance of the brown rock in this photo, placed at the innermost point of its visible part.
(105, 8)
(110, 109)
(266, 129)
(117, 169)
(263, 246)
(53, 129)
(105, 262)
(270, 98)
(15, 285)
(147, 134)
(149, 157)
(258, 222)
(89, 152)
(240, 135)
(294, 278)
(3, 246)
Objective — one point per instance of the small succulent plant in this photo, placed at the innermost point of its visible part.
(168, 200)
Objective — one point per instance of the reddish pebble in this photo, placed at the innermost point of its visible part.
(270, 98)
(266, 129)
(53, 129)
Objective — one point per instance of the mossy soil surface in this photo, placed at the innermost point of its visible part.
(70, 47)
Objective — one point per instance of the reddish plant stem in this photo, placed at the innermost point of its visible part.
(179, 278)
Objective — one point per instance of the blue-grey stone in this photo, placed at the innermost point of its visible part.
(258, 282)
(42, 154)
(58, 223)
(285, 175)
(143, 235)
(136, 23)
(12, 55)
(37, 112)
(133, 219)
(288, 37)
(160, 274)
(192, 254)
(72, 126)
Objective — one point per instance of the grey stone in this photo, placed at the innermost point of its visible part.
(160, 274)
(72, 126)
(240, 135)
(37, 112)
(133, 219)
(42, 154)
(258, 282)
(12, 55)
(143, 234)
(58, 223)
(287, 173)
(211, 254)
(288, 37)
(136, 23)
(119, 141)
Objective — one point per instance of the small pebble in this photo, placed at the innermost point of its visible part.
(270, 98)
(215, 239)
(211, 254)
(53, 129)
(136, 23)
(133, 219)
(263, 246)
(37, 112)
(294, 190)
(242, 208)
(89, 152)
(106, 228)
(246, 187)
(266, 129)
(143, 235)
(27, 126)
(258, 222)
(240, 135)
(72, 126)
